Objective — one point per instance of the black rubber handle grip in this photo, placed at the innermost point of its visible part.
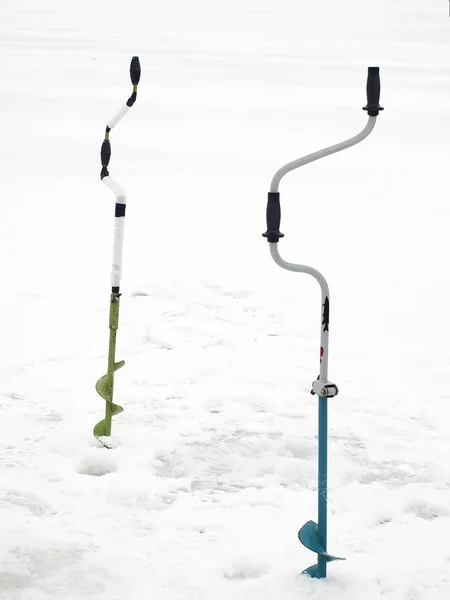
(105, 153)
(135, 70)
(273, 217)
(373, 92)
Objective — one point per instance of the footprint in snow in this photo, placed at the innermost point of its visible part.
(427, 511)
(149, 338)
(15, 499)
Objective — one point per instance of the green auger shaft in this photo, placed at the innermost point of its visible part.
(105, 385)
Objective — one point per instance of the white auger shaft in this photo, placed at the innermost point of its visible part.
(114, 186)
(119, 228)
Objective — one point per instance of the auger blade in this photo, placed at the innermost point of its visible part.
(100, 429)
(309, 537)
(313, 571)
(104, 387)
(103, 427)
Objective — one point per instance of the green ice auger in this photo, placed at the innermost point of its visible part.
(105, 385)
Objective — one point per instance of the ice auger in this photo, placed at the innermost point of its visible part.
(105, 385)
(314, 535)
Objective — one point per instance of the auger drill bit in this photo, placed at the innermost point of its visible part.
(314, 535)
(105, 385)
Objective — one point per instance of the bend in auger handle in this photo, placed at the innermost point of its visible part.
(273, 214)
(105, 153)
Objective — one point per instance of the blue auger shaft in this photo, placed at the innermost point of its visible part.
(322, 484)
(314, 535)
(105, 385)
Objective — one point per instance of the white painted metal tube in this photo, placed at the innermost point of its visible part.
(116, 271)
(325, 301)
(118, 116)
(119, 230)
(116, 189)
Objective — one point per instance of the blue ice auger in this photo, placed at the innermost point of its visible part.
(314, 535)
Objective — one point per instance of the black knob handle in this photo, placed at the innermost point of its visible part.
(273, 217)
(135, 70)
(105, 153)
(373, 92)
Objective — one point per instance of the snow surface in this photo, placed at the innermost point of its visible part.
(213, 469)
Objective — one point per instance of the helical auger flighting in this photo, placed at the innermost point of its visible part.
(105, 385)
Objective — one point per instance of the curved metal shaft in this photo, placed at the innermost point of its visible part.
(309, 158)
(325, 293)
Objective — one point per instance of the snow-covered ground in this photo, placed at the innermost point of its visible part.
(214, 465)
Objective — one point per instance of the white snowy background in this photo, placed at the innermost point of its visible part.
(214, 464)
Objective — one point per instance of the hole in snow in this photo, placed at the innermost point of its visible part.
(97, 462)
(245, 569)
